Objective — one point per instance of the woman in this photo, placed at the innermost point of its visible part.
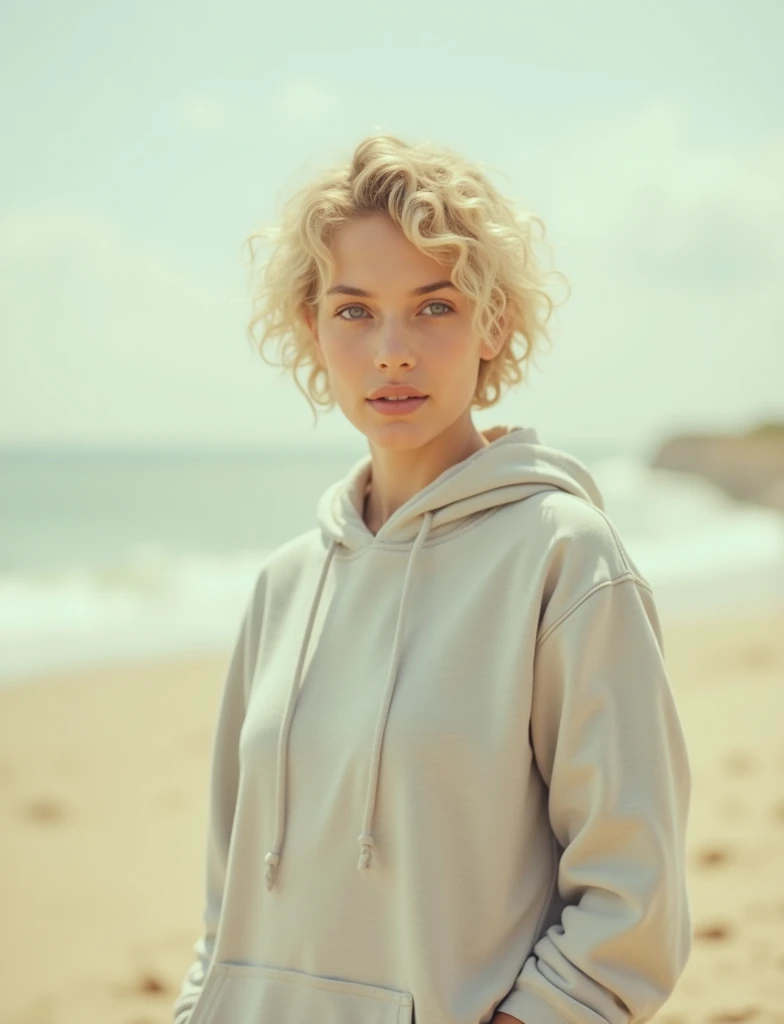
(449, 781)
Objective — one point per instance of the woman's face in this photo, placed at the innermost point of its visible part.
(392, 335)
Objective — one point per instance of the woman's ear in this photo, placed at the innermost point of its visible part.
(490, 349)
(309, 320)
(311, 323)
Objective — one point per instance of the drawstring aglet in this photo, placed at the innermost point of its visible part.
(366, 844)
(272, 860)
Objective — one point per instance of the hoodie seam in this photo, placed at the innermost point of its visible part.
(481, 516)
(618, 541)
(628, 577)
(405, 547)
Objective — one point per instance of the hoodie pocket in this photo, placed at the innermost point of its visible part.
(256, 994)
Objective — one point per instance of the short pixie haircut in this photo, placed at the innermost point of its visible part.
(448, 208)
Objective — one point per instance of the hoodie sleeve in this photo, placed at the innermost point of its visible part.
(608, 742)
(224, 781)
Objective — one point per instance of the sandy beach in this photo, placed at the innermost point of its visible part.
(103, 801)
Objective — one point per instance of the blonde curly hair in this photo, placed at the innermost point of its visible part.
(450, 211)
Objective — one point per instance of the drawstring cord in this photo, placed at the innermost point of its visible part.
(273, 857)
(365, 839)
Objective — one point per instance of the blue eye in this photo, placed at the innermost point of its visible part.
(438, 302)
(340, 313)
(435, 302)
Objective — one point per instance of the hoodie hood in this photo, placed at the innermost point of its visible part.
(513, 466)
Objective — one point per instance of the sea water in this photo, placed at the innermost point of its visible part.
(117, 555)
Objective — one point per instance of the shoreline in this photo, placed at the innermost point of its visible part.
(677, 608)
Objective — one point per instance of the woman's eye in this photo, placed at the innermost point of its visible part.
(435, 302)
(346, 309)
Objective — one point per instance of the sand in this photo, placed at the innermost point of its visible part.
(103, 782)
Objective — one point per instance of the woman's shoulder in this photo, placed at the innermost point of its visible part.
(584, 545)
(276, 578)
(282, 565)
(571, 516)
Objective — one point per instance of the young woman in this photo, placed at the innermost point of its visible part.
(449, 782)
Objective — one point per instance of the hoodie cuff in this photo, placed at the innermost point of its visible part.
(533, 1009)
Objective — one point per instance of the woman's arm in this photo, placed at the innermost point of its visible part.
(224, 781)
(609, 745)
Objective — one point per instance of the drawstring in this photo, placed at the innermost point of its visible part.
(273, 857)
(365, 839)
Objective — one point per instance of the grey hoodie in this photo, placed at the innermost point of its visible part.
(448, 773)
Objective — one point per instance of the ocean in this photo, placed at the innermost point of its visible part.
(118, 555)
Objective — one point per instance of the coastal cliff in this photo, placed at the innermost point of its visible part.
(748, 467)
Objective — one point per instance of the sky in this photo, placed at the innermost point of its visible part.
(142, 143)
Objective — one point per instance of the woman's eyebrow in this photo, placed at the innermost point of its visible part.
(346, 289)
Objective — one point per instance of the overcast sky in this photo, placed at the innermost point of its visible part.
(142, 143)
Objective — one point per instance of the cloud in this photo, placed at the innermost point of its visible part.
(657, 202)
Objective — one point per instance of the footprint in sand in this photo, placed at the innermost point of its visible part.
(713, 932)
(757, 657)
(145, 982)
(151, 984)
(734, 1016)
(712, 856)
(44, 809)
(739, 762)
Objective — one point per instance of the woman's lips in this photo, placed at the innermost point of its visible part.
(399, 407)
